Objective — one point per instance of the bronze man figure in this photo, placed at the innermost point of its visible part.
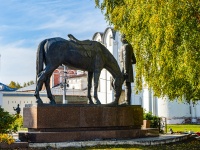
(127, 58)
(17, 109)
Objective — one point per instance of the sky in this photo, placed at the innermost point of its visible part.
(25, 23)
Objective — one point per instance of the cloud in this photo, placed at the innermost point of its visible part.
(24, 24)
(17, 63)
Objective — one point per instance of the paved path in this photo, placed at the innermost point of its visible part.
(162, 139)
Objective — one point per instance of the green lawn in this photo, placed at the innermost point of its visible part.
(184, 128)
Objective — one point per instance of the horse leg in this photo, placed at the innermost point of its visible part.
(90, 75)
(49, 94)
(41, 79)
(39, 85)
(96, 83)
(117, 92)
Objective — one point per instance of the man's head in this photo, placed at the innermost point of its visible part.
(123, 38)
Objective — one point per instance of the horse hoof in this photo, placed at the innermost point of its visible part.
(52, 102)
(125, 103)
(90, 102)
(39, 101)
(97, 102)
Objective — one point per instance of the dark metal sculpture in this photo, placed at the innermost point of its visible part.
(17, 109)
(127, 58)
(87, 55)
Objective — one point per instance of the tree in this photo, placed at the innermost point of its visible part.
(28, 83)
(165, 35)
(14, 85)
(7, 122)
(24, 84)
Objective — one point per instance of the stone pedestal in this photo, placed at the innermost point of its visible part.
(146, 124)
(59, 123)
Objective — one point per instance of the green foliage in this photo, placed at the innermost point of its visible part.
(28, 83)
(166, 39)
(6, 138)
(13, 84)
(18, 123)
(8, 122)
(154, 119)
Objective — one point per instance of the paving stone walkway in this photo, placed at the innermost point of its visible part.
(162, 139)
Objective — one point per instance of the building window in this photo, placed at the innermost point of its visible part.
(110, 40)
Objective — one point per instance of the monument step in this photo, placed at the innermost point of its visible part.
(48, 137)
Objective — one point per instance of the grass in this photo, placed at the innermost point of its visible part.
(184, 127)
(23, 129)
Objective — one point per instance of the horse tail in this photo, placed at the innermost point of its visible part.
(40, 58)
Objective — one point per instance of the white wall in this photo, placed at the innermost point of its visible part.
(1, 98)
(175, 112)
(77, 83)
(197, 109)
(10, 101)
(102, 89)
(109, 42)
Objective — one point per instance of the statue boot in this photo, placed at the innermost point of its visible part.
(127, 99)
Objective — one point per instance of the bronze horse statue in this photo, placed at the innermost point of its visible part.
(86, 55)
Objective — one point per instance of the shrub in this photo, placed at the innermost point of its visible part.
(18, 123)
(6, 138)
(154, 119)
(7, 122)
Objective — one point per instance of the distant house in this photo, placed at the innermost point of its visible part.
(4, 88)
(75, 93)
(76, 88)
(10, 98)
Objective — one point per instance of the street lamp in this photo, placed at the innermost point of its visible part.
(64, 85)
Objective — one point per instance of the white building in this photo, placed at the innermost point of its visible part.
(174, 112)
